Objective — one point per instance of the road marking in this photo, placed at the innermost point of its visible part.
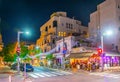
(33, 75)
(46, 74)
(57, 73)
(39, 74)
(51, 74)
(106, 75)
(65, 72)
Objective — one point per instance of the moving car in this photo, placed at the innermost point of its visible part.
(29, 68)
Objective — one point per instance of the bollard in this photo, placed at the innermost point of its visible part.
(10, 78)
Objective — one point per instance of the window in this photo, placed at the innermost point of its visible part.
(119, 18)
(54, 23)
(66, 25)
(62, 24)
(84, 32)
(45, 50)
(119, 28)
(46, 28)
(53, 41)
(79, 31)
(71, 26)
(45, 42)
(49, 26)
(118, 7)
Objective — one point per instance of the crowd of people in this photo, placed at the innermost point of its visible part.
(89, 66)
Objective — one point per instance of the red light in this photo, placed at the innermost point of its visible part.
(99, 50)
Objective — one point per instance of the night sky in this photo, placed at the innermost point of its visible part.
(31, 14)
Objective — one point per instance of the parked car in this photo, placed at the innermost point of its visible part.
(14, 66)
(29, 68)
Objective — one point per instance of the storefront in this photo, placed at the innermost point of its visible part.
(92, 61)
(79, 60)
(111, 60)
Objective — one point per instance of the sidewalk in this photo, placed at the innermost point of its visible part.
(109, 69)
(6, 70)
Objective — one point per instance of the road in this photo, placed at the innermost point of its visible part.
(42, 74)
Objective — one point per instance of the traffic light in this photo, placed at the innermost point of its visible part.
(99, 50)
(18, 50)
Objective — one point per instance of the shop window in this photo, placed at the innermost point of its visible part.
(55, 23)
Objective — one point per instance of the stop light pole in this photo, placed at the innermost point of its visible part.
(18, 51)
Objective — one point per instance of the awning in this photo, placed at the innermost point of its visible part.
(80, 55)
(112, 54)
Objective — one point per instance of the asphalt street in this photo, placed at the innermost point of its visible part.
(42, 74)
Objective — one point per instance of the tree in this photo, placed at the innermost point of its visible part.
(50, 57)
(9, 52)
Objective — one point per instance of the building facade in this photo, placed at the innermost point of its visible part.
(1, 43)
(107, 17)
(58, 23)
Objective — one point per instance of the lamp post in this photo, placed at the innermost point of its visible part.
(63, 34)
(102, 46)
(18, 49)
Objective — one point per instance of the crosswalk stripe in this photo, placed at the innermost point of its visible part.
(51, 74)
(116, 77)
(65, 72)
(33, 75)
(37, 70)
(39, 74)
(106, 75)
(57, 73)
(46, 74)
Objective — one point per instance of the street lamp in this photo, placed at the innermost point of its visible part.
(102, 45)
(18, 48)
(102, 38)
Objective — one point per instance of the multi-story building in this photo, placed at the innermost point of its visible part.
(1, 43)
(107, 17)
(58, 23)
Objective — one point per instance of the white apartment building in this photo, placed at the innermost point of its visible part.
(58, 23)
(105, 18)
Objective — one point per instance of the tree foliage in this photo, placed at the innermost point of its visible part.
(9, 52)
(50, 57)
